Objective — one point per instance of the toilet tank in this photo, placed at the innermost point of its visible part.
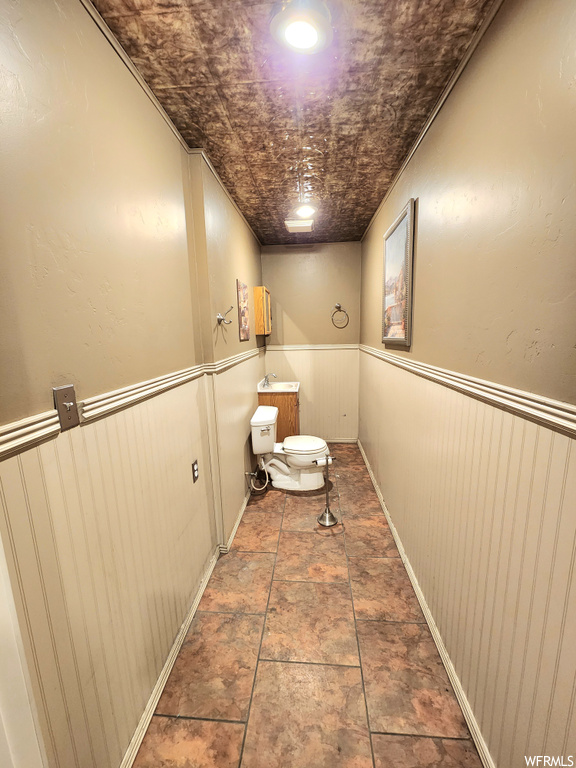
(263, 425)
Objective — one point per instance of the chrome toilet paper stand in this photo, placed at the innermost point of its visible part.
(327, 519)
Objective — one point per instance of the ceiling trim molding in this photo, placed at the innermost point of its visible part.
(554, 414)
(439, 104)
(105, 29)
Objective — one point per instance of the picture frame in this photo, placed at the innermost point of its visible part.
(243, 311)
(397, 284)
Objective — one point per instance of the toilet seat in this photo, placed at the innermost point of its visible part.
(303, 445)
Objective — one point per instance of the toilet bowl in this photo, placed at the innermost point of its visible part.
(291, 465)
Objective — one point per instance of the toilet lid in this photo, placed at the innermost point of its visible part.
(304, 444)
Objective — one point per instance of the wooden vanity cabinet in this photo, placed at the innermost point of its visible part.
(263, 311)
(288, 404)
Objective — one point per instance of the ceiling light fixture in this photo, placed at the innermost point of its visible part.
(299, 225)
(305, 211)
(302, 25)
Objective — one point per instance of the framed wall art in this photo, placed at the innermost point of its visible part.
(397, 294)
(243, 312)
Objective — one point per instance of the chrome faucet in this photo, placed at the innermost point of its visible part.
(267, 379)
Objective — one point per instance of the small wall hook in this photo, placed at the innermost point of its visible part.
(222, 317)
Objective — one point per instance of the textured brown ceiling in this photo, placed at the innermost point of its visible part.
(280, 126)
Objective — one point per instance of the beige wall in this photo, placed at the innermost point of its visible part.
(223, 249)
(231, 252)
(495, 272)
(94, 269)
(305, 283)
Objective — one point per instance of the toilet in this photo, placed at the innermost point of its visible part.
(291, 464)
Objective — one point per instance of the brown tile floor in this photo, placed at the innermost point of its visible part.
(309, 649)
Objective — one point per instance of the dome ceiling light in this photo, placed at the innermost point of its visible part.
(302, 25)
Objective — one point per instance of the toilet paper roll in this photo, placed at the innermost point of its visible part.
(324, 461)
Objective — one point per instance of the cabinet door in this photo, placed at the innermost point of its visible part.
(263, 310)
(267, 313)
(288, 417)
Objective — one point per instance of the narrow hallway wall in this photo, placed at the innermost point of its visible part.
(480, 479)
(226, 251)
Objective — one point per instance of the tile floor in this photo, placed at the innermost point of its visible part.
(309, 649)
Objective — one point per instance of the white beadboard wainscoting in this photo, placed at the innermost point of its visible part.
(483, 500)
(20, 744)
(235, 398)
(109, 542)
(328, 376)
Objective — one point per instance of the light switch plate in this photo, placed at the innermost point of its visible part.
(65, 404)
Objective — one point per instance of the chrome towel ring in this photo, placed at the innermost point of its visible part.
(340, 317)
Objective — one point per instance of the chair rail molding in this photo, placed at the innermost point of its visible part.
(554, 414)
(102, 405)
(25, 433)
(303, 347)
(20, 435)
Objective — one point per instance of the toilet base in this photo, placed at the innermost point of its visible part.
(288, 478)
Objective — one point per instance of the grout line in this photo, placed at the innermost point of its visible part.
(359, 652)
(231, 613)
(260, 647)
(307, 581)
(370, 557)
(252, 511)
(395, 621)
(255, 551)
(201, 719)
(376, 557)
(421, 736)
(311, 663)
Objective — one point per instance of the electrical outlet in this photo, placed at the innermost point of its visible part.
(195, 472)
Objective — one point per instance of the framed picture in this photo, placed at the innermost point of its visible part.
(243, 313)
(397, 298)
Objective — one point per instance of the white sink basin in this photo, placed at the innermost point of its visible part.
(279, 386)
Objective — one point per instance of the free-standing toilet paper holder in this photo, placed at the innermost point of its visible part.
(327, 519)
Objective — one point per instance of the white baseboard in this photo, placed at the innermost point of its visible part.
(225, 548)
(352, 440)
(467, 711)
(140, 732)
